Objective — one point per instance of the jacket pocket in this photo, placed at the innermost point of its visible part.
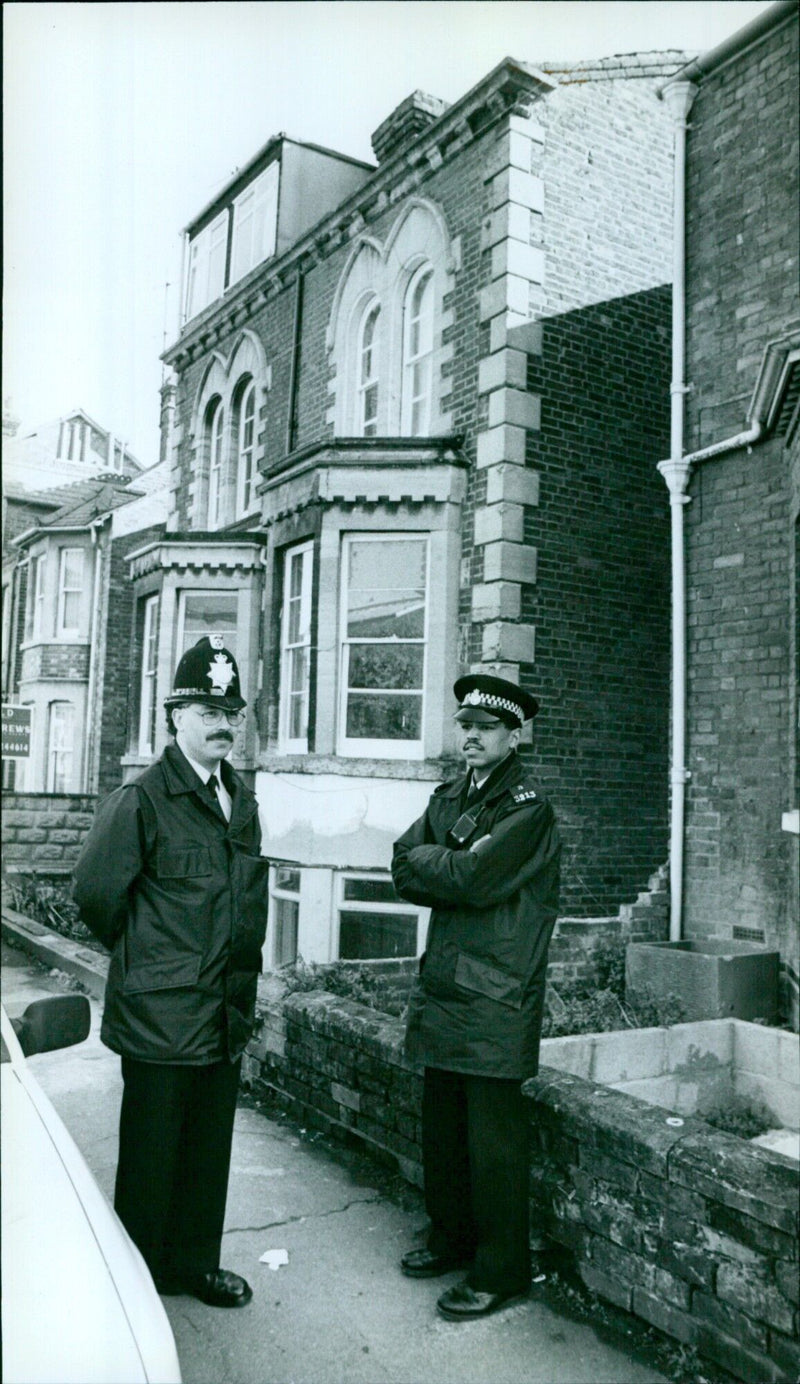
(471, 974)
(187, 863)
(172, 974)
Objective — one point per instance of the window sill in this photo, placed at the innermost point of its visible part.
(427, 770)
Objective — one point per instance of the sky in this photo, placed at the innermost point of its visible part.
(122, 120)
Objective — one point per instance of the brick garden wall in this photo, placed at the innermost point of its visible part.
(694, 1231)
(43, 832)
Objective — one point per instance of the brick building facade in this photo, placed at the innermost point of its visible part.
(741, 522)
(418, 436)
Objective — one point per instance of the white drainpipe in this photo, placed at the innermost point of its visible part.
(679, 95)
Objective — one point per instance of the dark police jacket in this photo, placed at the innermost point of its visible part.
(477, 1006)
(179, 896)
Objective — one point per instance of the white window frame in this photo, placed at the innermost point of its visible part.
(255, 223)
(367, 373)
(418, 342)
(373, 748)
(216, 464)
(231, 639)
(400, 908)
(278, 895)
(246, 449)
(205, 276)
(300, 647)
(36, 575)
(60, 757)
(149, 674)
(65, 591)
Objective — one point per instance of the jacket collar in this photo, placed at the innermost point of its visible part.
(180, 777)
(501, 777)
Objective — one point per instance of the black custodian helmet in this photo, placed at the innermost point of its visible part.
(207, 673)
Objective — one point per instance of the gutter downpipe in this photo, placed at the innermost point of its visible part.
(94, 654)
(679, 94)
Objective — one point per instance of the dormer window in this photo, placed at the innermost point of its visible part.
(206, 274)
(255, 215)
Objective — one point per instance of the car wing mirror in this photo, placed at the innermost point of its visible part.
(55, 1022)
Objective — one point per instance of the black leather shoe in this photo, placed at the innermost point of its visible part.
(220, 1288)
(424, 1263)
(463, 1304)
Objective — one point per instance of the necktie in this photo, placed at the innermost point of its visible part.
(213, 785)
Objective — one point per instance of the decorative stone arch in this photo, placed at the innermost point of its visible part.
(214, 384)
(418, 236)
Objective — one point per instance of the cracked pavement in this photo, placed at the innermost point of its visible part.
(339, 1311)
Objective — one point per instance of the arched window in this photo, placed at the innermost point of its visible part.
(418, 353)
(245, 414)
(214, 433)
(368, 372)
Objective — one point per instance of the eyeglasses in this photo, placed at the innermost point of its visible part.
(215, 718)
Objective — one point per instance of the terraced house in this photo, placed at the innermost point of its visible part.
(413, 424)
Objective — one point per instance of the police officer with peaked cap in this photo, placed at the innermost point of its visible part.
(485, 858)
(171, 880)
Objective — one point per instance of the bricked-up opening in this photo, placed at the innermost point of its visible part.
(406, 122)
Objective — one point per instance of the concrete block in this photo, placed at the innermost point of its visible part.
(685, 1041)
(509, 562)
(757, 1049)
(517, 185)
(499, 521)
(627, 1056)
(513, 257)
(519, 484)
(515, 406)
(497, 600)
(505, 443)
(502, 368)
(509, 221)
(507, 294)
(503, 640)
(712, 979)
(572, 1054)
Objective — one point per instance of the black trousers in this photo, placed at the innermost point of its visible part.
(476, 1156)
(175, 1133)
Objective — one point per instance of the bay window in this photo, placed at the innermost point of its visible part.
(147, 687)
(382, 661)
(60, 745)
(296, 649)
(70, 591)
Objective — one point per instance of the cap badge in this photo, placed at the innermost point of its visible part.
(221, 673)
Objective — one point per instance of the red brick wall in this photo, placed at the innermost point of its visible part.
(600, 604)
(742, 292)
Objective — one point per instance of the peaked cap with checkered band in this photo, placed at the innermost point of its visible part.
(480, 694)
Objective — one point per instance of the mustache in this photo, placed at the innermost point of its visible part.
(220, 735)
